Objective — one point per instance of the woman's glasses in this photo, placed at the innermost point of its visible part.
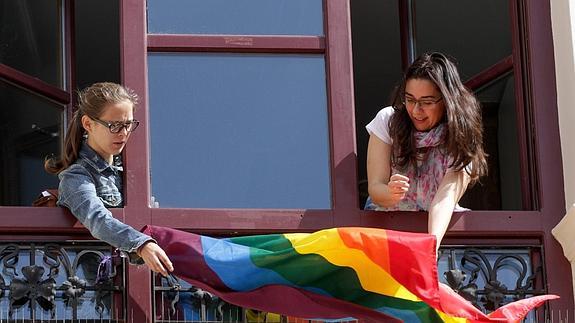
(426, 103)
(116, 127)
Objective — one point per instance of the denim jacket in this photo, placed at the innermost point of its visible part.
(87, 188)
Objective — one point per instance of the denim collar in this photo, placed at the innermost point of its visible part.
(93, 159)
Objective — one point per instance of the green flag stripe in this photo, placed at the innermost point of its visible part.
(312, 271)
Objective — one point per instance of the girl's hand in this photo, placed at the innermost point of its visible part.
(155, 258)
(398, 186)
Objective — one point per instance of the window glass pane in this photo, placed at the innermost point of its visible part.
(269, 17)
(376, 68)
(501, 188)
(476, 33)
(31, 38)
(239, 131)
(30, 130)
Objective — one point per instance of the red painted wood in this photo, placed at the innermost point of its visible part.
(341, 113)
(407, 34)
(133, 72)
(50, 220)
(137, 183)
(528, 173)
(466, 240)
(491, 73)
(70, 48)
(235, 43)
(485, 226)
(548, 147)
(244, 220)
(477, 223)
(33, 84)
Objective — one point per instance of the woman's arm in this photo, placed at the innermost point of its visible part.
(77, 192)
(448, 194)
(384, 189)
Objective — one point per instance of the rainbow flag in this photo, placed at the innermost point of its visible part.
(371, 274)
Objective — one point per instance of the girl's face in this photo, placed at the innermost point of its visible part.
(100, 138)
(424, 104)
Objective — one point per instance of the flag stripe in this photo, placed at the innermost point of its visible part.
(233, 264)
(186, 252)
(410, 257)
(372, 277)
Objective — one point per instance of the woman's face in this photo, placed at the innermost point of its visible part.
(104, 142)
(424, 103)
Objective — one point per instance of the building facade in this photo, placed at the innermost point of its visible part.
(563, 18)
(252, 121)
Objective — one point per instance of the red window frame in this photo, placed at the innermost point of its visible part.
(542, 177)
(533, 59)
(49, 221)
(335, 45)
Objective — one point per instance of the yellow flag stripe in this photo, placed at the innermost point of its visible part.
(328, 244)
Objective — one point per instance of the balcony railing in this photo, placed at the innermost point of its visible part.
(489, 277)
(84, 282)
(60, 282)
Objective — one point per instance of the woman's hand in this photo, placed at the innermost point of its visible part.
(155, 258)
(398, 186)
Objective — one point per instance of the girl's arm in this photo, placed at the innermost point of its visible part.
(384, 188)
(448, 194)
(78, 193)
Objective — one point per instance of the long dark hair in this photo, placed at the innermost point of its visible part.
(91, 102)
(464, 139)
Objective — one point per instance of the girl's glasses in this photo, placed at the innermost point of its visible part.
(426, 103)
(116, 127)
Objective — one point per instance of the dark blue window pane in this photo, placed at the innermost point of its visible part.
(30, 130)
(253, 17)
(239, 131)
(31, 38)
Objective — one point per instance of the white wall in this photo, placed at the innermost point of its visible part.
(563, 24)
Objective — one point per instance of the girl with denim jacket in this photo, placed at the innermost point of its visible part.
(427, 147)
(90, 170)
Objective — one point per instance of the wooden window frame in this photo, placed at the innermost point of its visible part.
(545, 179)
(335, 45)
(342, 146)
(545, 175)
(49, 221)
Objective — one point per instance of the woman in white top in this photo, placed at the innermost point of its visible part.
(427, 147)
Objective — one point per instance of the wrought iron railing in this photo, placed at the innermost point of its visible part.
(60, 282)
(489, 277)
(177, 301)
(73, 282)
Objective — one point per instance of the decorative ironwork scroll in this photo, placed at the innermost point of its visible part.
(179, 301)
(51, 281)
(492, 277)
